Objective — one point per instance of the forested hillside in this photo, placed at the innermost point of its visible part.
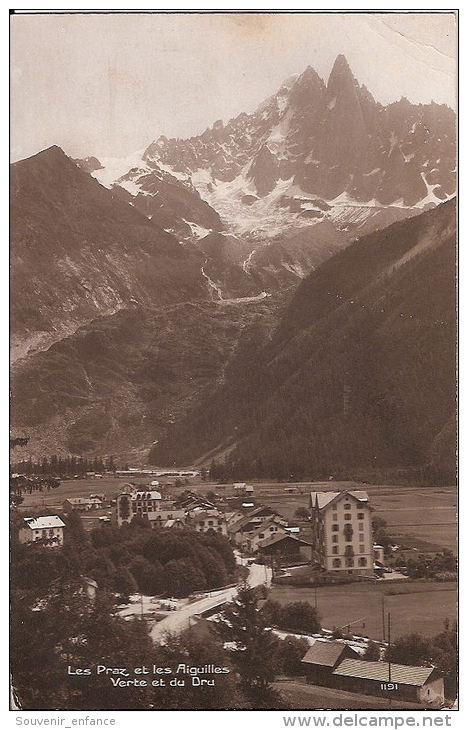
(361, 371)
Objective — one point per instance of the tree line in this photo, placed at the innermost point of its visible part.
(67, 466)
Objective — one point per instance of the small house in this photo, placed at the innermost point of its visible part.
(323, 657)
(46, 530)
(286, 547)
(423, 685)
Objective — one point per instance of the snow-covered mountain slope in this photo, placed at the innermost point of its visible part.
(263, 172)
(312, 153)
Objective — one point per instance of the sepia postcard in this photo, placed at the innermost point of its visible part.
(233, 361)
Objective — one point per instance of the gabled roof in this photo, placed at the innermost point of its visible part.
(265, 526)
(147, 494)
(197, 515)
(324, 653)
(44, 522)
(277, 538)
(323, 499)
(378, 671)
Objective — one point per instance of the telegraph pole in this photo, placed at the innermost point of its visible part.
(383, 617)
(389, 660)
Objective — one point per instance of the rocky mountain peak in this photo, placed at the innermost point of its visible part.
(341, 75)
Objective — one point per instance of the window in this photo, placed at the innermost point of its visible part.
(361, 548)
(202, 523)
(347, 517)
(347, 506)
(335, 527)
(335, 549)
(210, 522)
(361, 537)
(334, 538)
(349, 562)
(362, 561)
(361, 526)
(360, 515)
(337, 563)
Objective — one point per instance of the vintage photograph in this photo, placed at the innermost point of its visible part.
(233, 360)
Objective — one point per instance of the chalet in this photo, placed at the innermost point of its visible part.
(267, 529)
(323, 657)
(191, 501)
(47, 530)
(288, 547)
(251, 521)
(176, 523)
(81, 504)
(160, 518)
(423, 685)
(206, 520)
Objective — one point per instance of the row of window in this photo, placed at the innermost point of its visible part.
(349, 562)
(210, 522)
(336, 527)
(361, 537)
(335, 551)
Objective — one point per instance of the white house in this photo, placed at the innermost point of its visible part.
(48, 530)
(342, 531)
(205, 520)
(131, 504)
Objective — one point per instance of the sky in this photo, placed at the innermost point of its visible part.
(108, 85)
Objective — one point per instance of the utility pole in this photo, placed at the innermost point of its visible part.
(315, 591)
(383, 617)
(389, 661)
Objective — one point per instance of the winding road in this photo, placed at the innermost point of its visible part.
(179, 620)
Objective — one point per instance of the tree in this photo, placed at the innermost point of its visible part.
(372, 652)
(290, 653)
(125, 584)
(272, 612)
(196, 650)
(182, 577)
(412, 649)
(72, 630)
(300, 616)
(254, 646)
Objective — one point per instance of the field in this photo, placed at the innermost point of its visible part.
(421, 517)
(414, 606)
(417, 517)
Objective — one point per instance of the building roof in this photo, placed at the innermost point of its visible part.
(324, 653)
(378, 671)
(165, 514)
(44, 522)
(147, 494)
(283, 536)
(325, 498)
(205, 514)
(83, 500)
(265, 526)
